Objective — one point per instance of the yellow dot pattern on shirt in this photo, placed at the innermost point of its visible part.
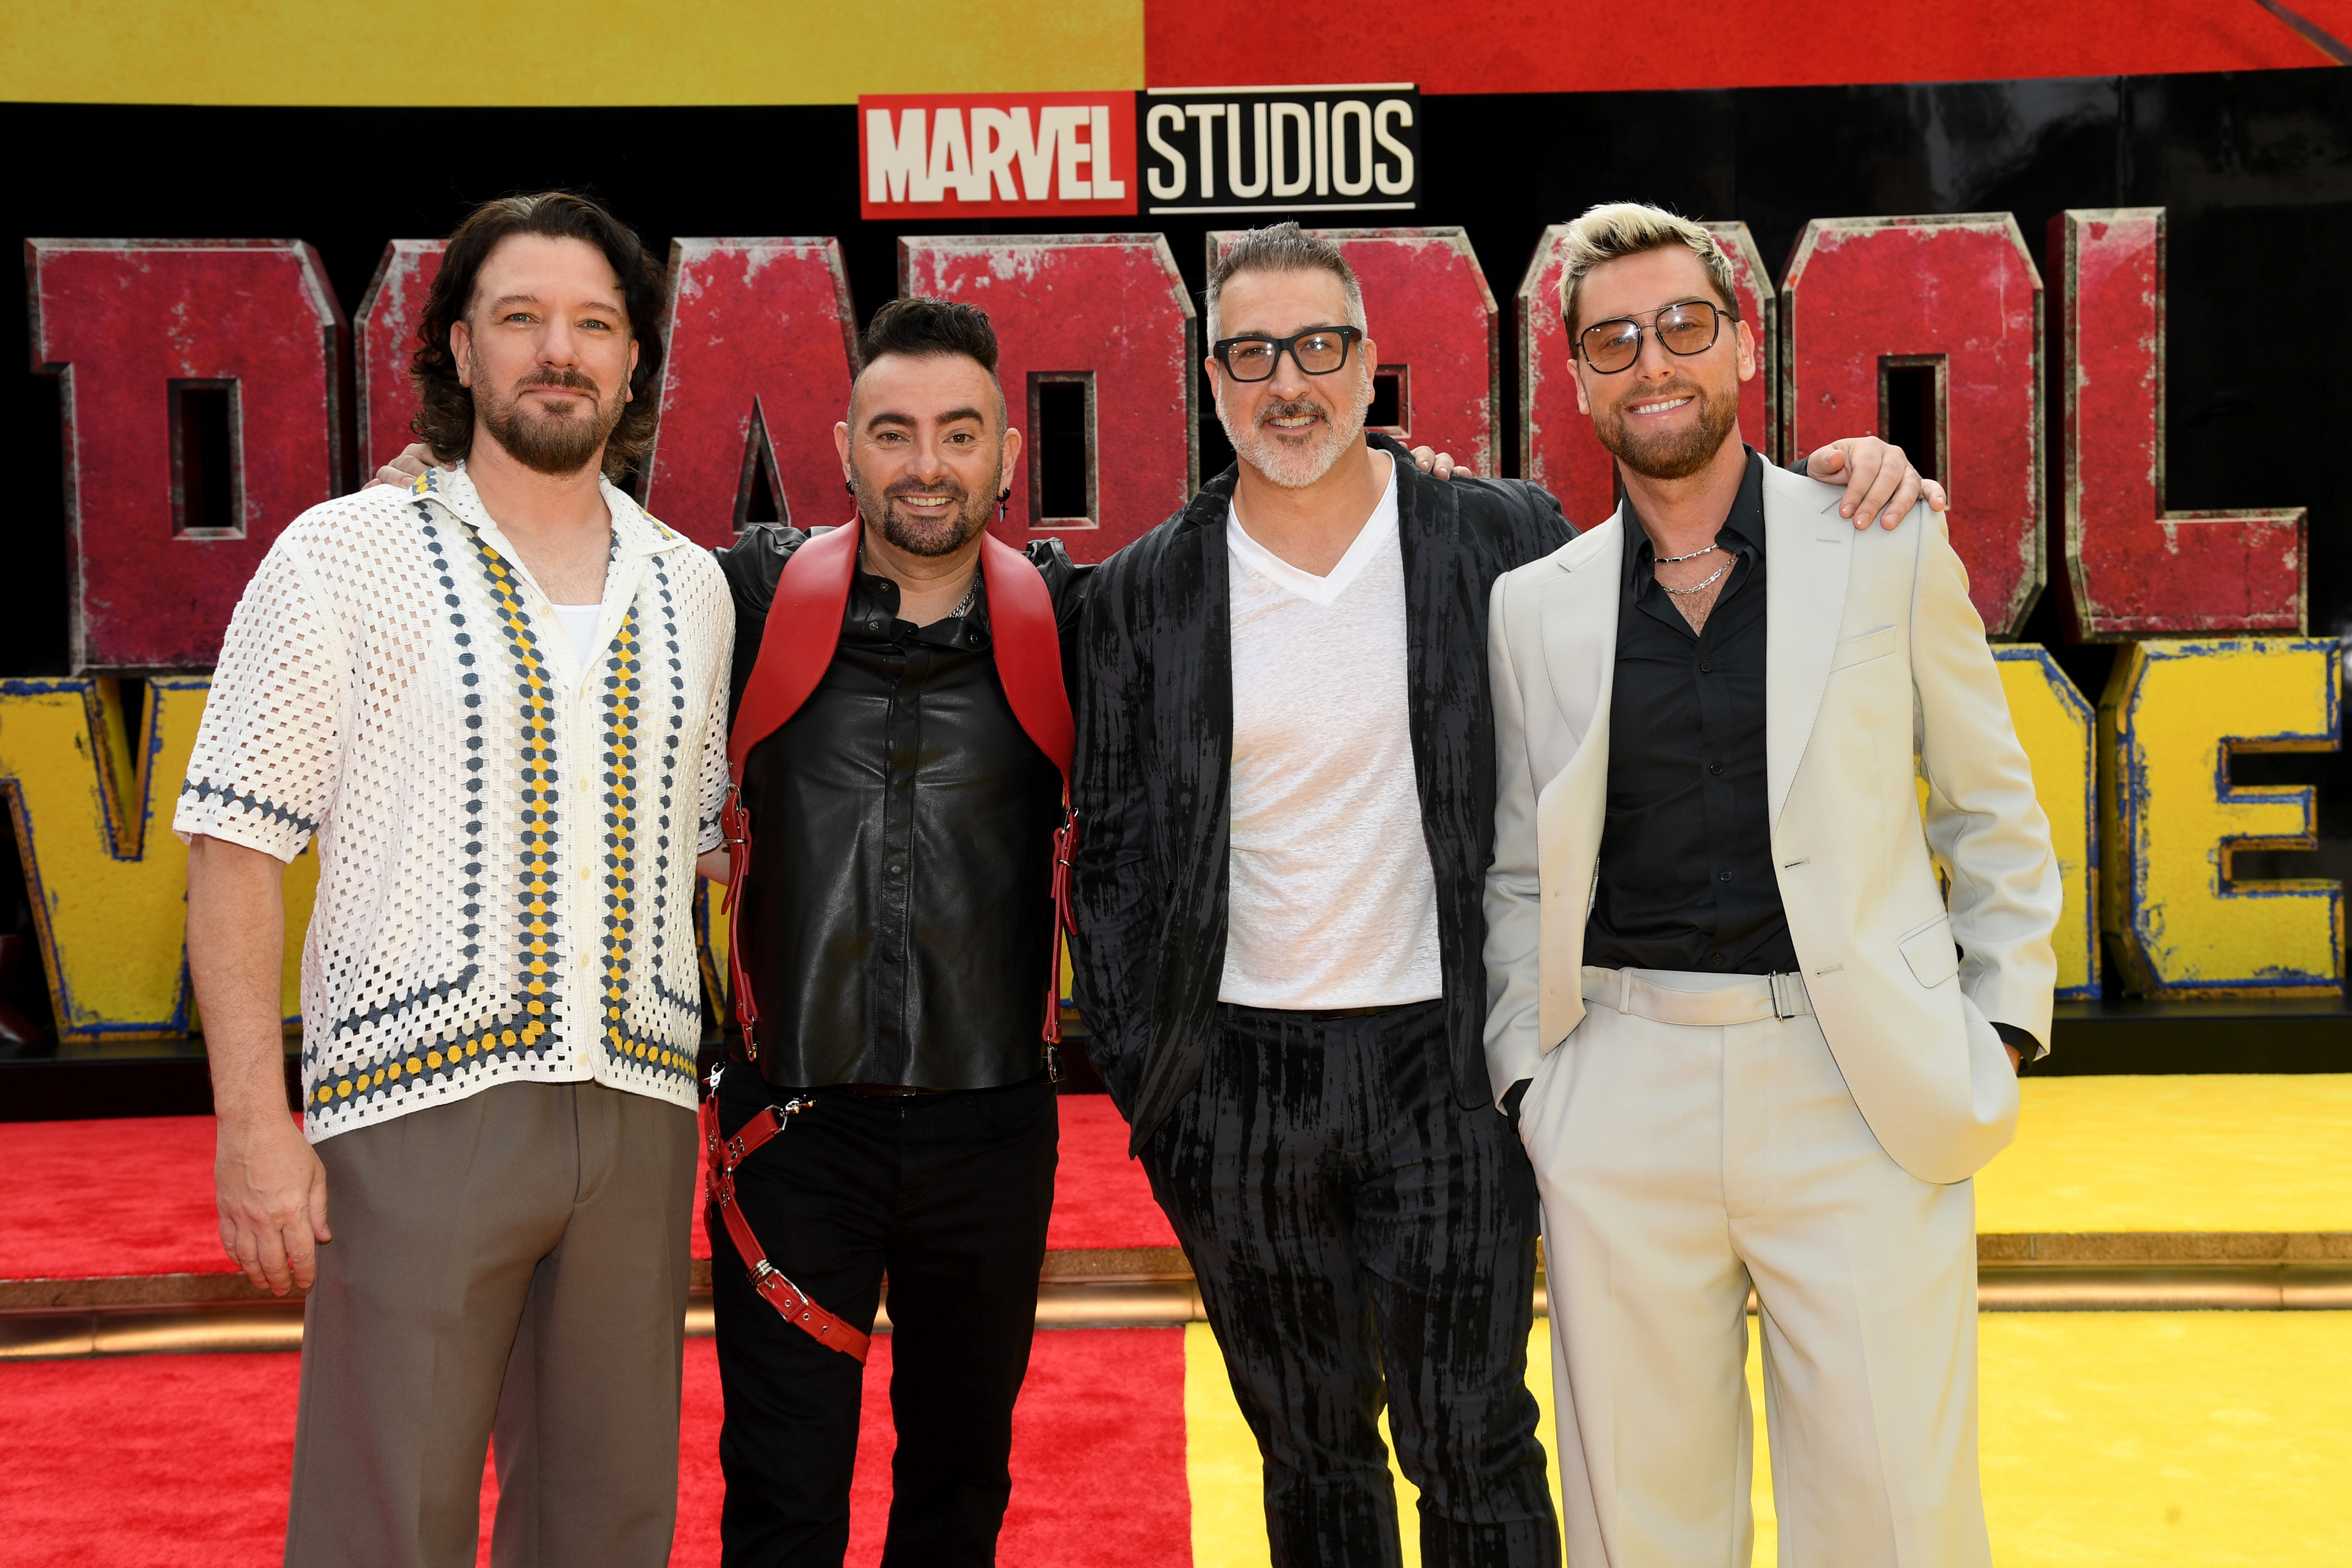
(624, 722)
(528, 1024)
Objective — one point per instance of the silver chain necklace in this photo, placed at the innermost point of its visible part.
(1670, 559)
(964, 605)
(1704, 582)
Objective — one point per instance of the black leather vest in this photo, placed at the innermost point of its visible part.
(898, 919)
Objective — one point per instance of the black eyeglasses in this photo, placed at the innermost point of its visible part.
(1318, 351)
(1687, 329)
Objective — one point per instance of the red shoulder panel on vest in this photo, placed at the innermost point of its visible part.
(796, 649)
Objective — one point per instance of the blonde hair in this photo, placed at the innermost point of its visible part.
(1614, 230)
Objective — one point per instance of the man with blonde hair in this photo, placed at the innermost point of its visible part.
(1751, 1045)
(1286, 784)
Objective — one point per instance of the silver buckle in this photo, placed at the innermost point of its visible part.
(1784, 1005)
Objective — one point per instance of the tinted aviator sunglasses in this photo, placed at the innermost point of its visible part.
(1318, 351)
(1687, 329)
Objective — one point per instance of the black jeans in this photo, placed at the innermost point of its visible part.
(948, 1193)
(1344, 1215)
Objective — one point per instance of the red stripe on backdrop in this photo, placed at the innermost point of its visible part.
(1582, 46)
(183, 1458)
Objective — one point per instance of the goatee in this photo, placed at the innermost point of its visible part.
(1294, 465)
(931, 533)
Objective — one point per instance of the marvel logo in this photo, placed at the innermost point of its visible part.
(1011, 154)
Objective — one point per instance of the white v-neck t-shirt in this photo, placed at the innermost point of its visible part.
(1331, 903)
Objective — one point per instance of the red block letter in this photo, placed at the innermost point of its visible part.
(1098, 354)
(1557, 447)
(388, 311)
(2134, 568)
(199, 399)
(1952, 306)
(1433, 321)
(761, 334)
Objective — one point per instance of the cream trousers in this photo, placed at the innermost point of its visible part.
(1681, 1162)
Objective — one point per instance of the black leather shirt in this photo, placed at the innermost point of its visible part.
(898, 923)
(1687, 879)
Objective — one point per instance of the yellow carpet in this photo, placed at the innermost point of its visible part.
(2130, 1439)
(2236, 1152)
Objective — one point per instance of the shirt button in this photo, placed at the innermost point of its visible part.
(1715, 768)
(1723, 876)
(1705, 668)
(1714, 958)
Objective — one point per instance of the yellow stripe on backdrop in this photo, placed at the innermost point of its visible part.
(2110, 1440)
(544, 53)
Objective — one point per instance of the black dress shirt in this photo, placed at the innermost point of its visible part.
(1687, 880)
(898, 923)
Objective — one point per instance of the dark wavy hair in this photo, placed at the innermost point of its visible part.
(445, 408)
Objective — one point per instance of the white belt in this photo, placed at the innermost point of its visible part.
(1747, 1000)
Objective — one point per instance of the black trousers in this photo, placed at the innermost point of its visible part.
(947, 1193)
(1345, 1217)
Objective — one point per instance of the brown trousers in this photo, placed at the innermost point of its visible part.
(515, 1260)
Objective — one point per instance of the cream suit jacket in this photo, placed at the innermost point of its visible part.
(1873, 653)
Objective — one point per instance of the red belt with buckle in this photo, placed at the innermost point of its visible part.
(727, 1157)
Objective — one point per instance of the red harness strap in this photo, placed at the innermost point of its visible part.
(726, 1156)
(1029, 662)
(803, 629)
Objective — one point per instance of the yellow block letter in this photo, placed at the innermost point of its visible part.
(2173, 715)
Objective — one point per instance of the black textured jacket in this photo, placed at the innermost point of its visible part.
(1155, 751)
(898, 923)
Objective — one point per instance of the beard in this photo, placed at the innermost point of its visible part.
(928, 534)
(1286, 461)
(1675, 455)
(542, 439)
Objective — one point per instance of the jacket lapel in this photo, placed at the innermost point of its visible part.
(1427, 515)
(1578, 609)
(1811, 550)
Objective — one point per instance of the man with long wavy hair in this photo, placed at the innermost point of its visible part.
(496, 699)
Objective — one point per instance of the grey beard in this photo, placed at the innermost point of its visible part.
(1295, 468)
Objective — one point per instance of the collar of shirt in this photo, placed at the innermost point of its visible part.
(872, 616)
(1742, 532)
(635, 532)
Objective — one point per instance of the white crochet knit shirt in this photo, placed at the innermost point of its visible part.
(506, 841)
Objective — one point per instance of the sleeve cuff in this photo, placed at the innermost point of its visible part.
(2028, 1048)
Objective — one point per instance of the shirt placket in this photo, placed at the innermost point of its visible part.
(891, 1043)
(1716, 812)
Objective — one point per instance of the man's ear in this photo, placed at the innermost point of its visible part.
(629, 378)
(841, 444)
(1583, 404)
(461, 348)
(1746, 351)
(1012, 449)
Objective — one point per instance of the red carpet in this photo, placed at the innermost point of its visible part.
(93, 1198)
(135, 1195)
(183, 1458)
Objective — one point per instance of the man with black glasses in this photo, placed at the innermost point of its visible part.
(1286, 785)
